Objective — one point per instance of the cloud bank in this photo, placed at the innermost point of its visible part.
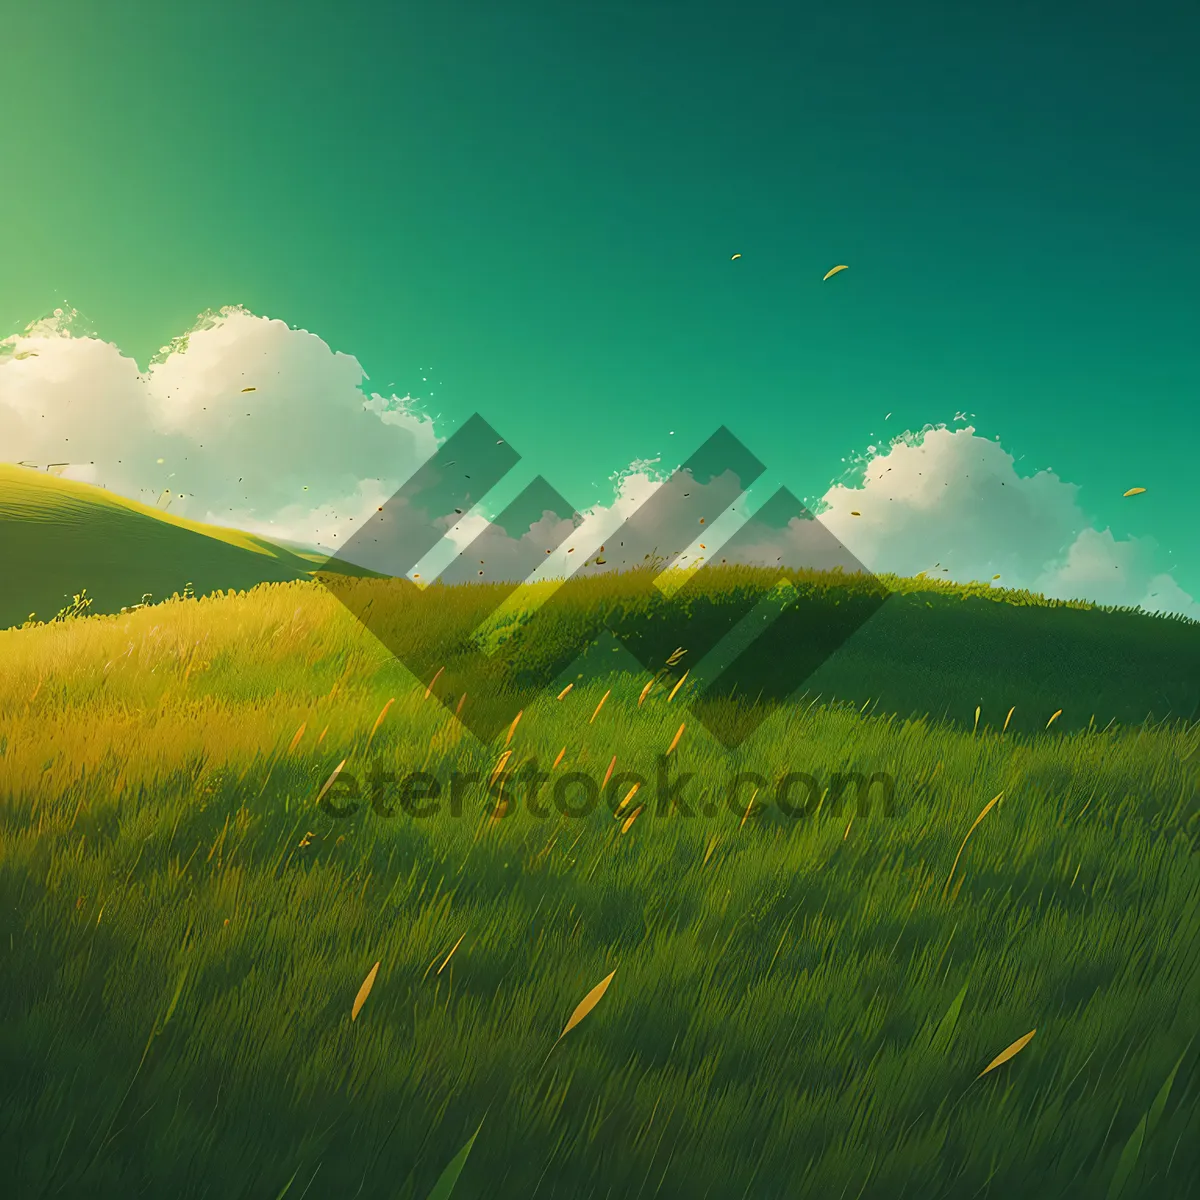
(246, 422)
(242, 421)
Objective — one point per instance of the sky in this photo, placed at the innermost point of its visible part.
(386, 218)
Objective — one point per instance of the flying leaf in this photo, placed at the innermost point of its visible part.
(1134, 492)
(1005, 1055)
(330, 781)
(629, 795)
(513, 727)
(364, 992)
(834, 271)
(736, 256)
(587, 1004)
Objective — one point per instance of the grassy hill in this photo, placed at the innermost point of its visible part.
(903, 646)
(58, 537)
(908, 647)
(202, 859)
(801, 1008)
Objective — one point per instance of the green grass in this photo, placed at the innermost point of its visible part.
(184, 932)
(58, 537)
(897, 645)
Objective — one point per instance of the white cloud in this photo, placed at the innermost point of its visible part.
(310, 455)
(943, 501)
(298, 457)
(951, 503)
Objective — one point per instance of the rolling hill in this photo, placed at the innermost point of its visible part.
(59, 536)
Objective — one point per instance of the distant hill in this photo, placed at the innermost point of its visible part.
(933, 647)
(59, 536)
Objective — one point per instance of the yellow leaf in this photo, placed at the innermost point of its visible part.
(675, 739)
(587, 1004)
(1005, 1055)
(608, 773)
(364, 992)
(379, 719)
(513, 727)
(330, 781)
(628, 796)
(834, 271)
(1135, 491)
(500, 767)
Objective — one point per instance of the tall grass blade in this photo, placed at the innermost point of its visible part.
(449, 1177)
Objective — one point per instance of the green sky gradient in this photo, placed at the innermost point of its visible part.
(539, 201)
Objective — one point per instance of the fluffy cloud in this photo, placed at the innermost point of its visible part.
(310, 455)
(951, 503)
(296, 456)
(946, 502)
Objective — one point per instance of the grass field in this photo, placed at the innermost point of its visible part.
(800, 1007)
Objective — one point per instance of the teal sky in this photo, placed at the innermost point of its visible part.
(538, 200)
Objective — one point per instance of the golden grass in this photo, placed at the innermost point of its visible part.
(987, 808)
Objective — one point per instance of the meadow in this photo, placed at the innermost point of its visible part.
(798, 1007)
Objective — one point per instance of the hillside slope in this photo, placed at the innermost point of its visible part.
(58, 536)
